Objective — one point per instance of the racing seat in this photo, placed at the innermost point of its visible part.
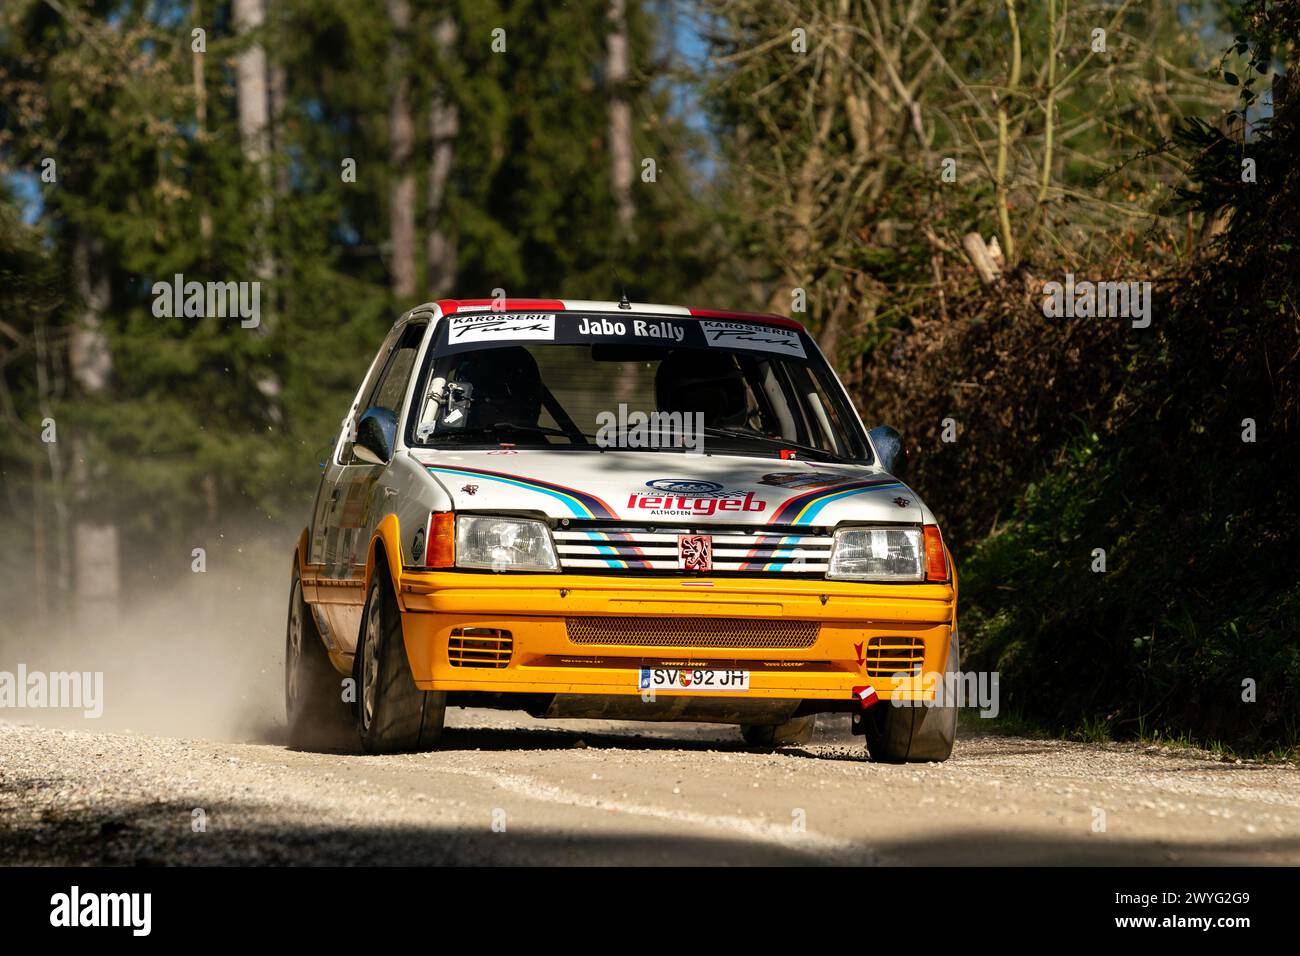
(505, 386)
(699, 380)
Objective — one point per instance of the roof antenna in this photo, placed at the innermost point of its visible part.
(623, 302)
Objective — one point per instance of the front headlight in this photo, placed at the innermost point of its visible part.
(504, 544)
(878, 554)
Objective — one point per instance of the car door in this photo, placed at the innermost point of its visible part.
(334, 586)
(358, 492)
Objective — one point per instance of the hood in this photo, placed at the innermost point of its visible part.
(658, 488)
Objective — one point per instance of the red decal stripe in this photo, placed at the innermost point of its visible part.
(450, 306)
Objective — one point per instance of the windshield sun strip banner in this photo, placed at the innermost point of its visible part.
(478, 330)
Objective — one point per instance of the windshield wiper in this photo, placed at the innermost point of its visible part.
(511, 427)
(759, 436)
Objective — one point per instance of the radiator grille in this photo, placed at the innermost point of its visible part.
(887, 656)
(602, 546)
(692, 632)
(479, 647)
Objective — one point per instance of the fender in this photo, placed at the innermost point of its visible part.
(952, 572)
(300, 550)
(342, 663)
(300, 566)
(387, 538)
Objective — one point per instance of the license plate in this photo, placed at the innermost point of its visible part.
(693, 679)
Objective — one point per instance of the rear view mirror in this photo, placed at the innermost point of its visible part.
(376, 435)
(889, 447)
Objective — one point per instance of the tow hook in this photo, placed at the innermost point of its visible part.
(866, 697)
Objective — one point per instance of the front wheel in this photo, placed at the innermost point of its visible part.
(393, 715)
(915, 733)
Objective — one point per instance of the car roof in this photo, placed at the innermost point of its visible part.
(449, 306)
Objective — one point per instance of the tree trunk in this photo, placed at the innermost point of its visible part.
(279, 97)
(401, 149)
(800, 241)
(620, 114)
(251, 87)
(444, 125)
(95, 546)
(201, 127)
(45, 394)
(254, 120)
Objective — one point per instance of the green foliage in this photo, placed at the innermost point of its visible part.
(1192, 604)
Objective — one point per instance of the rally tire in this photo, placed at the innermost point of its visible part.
(317, 715)
(392, 714)
(793, 732)
(913, 734)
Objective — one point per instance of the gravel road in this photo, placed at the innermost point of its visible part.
(508, 789)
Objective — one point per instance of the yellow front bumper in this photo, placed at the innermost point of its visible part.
(534, 609)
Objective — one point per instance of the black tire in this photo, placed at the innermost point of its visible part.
(393, 715)
(797, 730)
(914, 734)
(318, 717)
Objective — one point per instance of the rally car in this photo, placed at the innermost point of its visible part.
(616, 510)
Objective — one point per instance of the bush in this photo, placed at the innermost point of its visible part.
(1089, 435)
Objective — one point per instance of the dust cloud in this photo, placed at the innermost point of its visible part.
(186, 654)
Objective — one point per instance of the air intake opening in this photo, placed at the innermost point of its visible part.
(480, 647)
(887, 656)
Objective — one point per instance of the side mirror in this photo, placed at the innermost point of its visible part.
(890, 449)
(376, 435)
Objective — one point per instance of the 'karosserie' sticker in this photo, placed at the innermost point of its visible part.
(494, 327)
(757, 338)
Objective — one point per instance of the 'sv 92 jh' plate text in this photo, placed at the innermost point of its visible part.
(700, 679)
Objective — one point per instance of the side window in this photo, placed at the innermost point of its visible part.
(391, 388)
(387, 386)
(829, 428)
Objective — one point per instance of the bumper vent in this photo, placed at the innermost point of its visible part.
(479, 647)
(727, 632)
(887, 656)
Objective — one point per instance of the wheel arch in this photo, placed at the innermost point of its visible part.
(300, 551)
(385, 545)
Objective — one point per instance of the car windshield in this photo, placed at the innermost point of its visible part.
(612, 381)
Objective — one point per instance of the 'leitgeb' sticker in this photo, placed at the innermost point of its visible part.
(757, 338)
(493, 327)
